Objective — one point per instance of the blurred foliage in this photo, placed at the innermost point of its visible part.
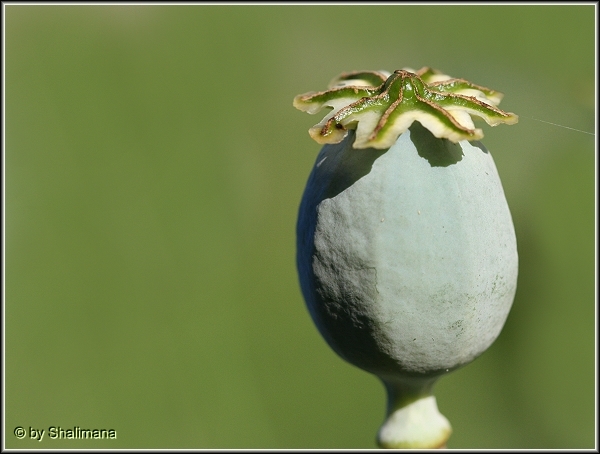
(154, 167)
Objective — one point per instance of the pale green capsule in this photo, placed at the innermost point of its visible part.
(408, 264)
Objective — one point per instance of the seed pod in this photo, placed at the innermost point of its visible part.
(406, 250)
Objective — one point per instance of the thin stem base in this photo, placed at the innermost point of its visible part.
(414, 424)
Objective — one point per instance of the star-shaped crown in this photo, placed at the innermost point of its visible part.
(381, 106)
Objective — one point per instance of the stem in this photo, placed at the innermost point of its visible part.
(413, 419)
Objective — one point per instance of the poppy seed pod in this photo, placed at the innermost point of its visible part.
(406, 249)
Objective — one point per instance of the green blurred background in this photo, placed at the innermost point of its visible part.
(154, 168)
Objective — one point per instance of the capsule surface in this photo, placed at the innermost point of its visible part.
(407, 257)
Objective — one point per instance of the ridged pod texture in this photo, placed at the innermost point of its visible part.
(407, 257)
